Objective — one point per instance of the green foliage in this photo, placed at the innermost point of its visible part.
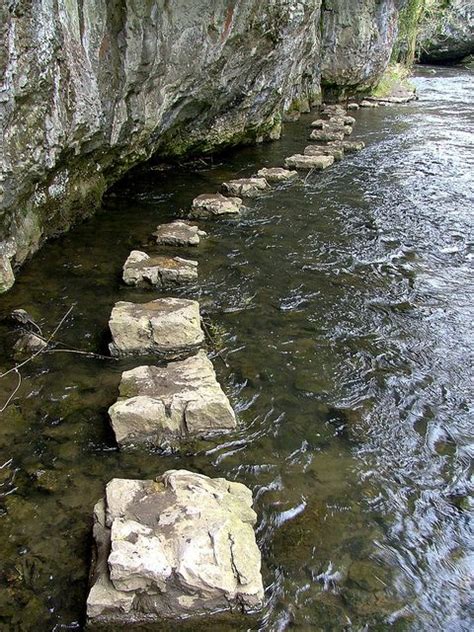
(408, 26)
(395, 75)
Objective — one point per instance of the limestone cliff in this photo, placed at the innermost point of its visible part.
(90, 88)
(447, 31)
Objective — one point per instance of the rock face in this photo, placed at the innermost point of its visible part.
(178, 233)
(182, 545)
(158, 271)
(214, 205)
(447, 31)
(161, 405)
(352, 34)
(91, 88)
(167, 327)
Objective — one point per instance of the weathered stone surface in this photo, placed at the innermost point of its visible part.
(178, 233)
(167, 327)
(300, 161)
(353, 106)
(162, 405)
(323, 150)
(7, 278)
(349, 120)
(447, 31)
(326, 135)
(352, 33)
(212, 205)
(368, 104)
(319, 123)
(333, 109)
(181, 545)
(348, 146)
(159, 271)
(277, 174)
(245, 187)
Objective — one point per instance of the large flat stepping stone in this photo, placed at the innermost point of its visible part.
(353, 106)
(277, 174)
(178, 233)
(333, 109)
(326, 135)
(245, 187)
(369, 104)
(348, 146)
(159, 406)
(167, 327)
(323, 150)
(178, 546)
(300, 161)
(158, 271)
(213, 205)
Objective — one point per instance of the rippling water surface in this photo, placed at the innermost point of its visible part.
(342, 307)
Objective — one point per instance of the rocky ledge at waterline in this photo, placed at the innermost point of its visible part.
(169, 328)
(89, 93)
(180, 546)
(160, 406)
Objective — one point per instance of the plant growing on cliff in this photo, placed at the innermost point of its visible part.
(409, 21)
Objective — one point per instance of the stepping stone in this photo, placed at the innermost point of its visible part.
(334, 109)
(300, 161)
(178, 546)
(348, 146)
(158, 271)
(167, 327)
(368, 104)
(212, 205)
(277, 174)
(245, 187)
(341, 121)
(159, 406)
(324, 150)
(178, 233)
(326, 135)
(338, 125)
(319, 123)
(353, 106)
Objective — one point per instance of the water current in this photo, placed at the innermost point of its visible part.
(341, 308)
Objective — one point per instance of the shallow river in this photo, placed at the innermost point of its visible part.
(342, 310)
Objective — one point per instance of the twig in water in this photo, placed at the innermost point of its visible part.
(40, 351)
(13, 394)
(309, 173)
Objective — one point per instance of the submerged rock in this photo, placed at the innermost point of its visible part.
(326, 135)
(277, 174)
(301, 161)
(178, 233)
(245, 187)
(349, 146)
(323, 150)
(29, 344)
(215, 205)
(167, 327)
(158, 271)
(161, 405)
(181, 545)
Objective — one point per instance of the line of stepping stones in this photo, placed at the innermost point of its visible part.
(184, 543)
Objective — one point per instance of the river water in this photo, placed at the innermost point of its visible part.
(341, 307)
